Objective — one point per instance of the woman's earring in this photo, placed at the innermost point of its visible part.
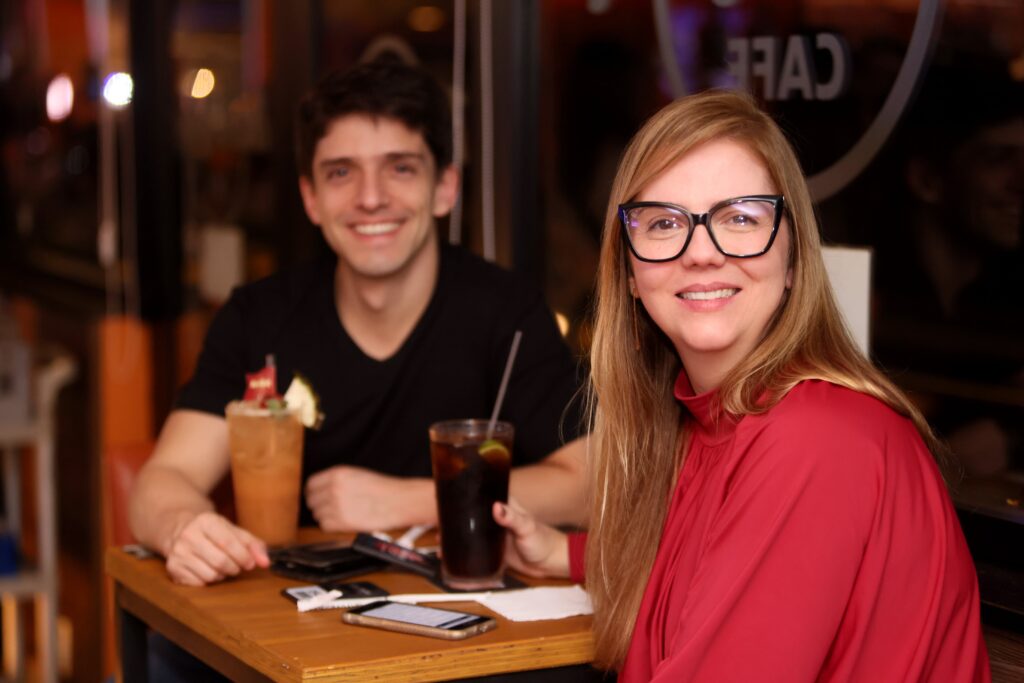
(636, 326)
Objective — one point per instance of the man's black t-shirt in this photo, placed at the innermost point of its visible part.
(377, 412)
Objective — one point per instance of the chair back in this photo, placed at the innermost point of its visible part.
(849, 271)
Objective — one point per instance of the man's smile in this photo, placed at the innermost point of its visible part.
(371, 229)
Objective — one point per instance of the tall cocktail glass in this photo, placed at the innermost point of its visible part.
(266, 469)
(471, 473)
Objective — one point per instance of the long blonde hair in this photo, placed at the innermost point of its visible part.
(638, 438)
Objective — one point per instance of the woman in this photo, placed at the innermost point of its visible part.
(766, 505)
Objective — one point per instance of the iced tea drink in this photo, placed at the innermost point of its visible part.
(470, 474)
(266, 469)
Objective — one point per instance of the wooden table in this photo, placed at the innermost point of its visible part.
(248, 631)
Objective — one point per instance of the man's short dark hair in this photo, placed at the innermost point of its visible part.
(385, 87)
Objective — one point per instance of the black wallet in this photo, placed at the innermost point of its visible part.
(321, 562)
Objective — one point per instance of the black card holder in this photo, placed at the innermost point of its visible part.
(392, 553)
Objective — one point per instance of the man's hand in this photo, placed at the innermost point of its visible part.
(345, 498)
(206, 548)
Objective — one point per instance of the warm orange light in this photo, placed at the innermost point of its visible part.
(563, 323)
(426, 18)
(1017, 68)
(202, 84)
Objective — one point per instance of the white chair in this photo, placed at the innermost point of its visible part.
(38, 583)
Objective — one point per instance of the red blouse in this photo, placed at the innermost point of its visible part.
(815, 542)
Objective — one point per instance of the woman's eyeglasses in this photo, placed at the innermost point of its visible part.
(741, 227)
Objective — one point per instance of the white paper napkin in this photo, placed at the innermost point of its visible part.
(535, 604)
(527, 604)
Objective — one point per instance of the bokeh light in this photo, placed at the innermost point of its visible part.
(426, 18)
(117, 89)
(562, 321)
(202, 84)
(60, 97)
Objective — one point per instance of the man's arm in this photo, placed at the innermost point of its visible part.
(553, 490)
(346, 498)
(170, 510)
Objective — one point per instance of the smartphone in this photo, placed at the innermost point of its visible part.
(419, 620)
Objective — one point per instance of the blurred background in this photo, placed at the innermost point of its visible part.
(146, 168)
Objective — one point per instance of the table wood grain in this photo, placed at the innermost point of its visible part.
(247, 630)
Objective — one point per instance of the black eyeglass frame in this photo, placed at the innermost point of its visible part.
(777, 200)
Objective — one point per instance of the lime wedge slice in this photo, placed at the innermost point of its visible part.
(493, 449)
(300, 395)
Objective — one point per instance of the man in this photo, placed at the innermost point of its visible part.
(394, 331)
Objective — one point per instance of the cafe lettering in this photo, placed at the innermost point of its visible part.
(786, 67)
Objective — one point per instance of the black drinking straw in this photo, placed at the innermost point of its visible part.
(504, 382)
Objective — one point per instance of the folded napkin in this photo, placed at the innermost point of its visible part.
(534, 604)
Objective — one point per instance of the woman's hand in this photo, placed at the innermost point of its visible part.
(533, 548)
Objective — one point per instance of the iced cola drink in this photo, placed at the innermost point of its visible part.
(266, 469)
(470, 474)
